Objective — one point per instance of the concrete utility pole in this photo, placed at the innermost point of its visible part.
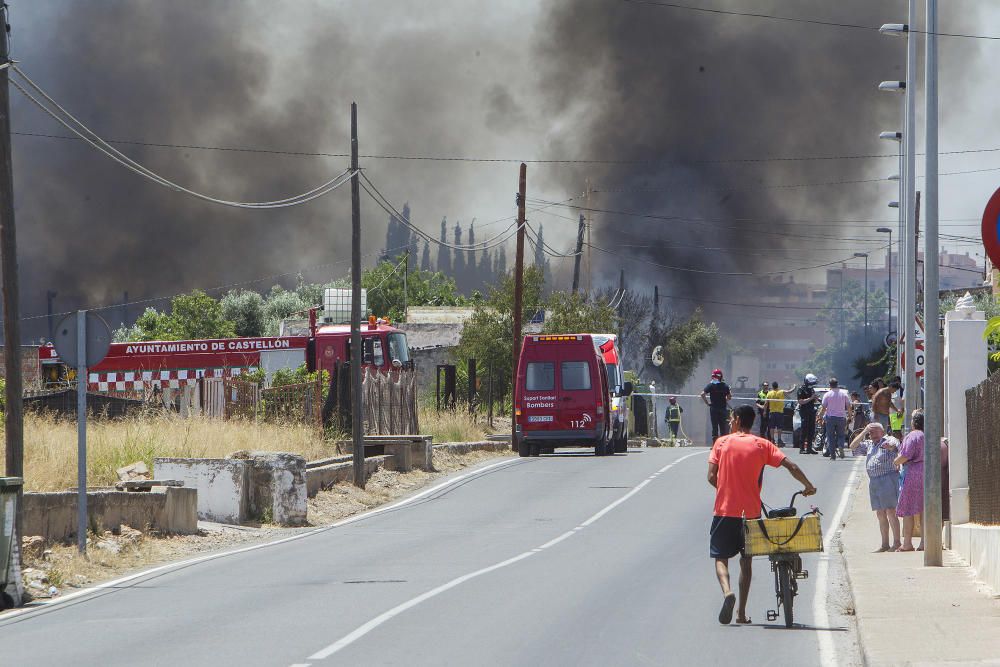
(907, 323)
(933, 371)
(518, 294)
(579, 252)
(14, 432)
(357, 356)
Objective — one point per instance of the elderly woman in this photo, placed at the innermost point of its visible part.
(911, 495)
(879, 450)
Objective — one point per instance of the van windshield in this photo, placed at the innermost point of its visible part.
(575, 375)
(540, 376)
(613, 378)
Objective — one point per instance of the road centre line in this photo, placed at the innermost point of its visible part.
(386, 616)
(827, 651)
(114, 583)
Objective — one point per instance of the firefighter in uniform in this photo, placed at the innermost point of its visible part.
(673, 417)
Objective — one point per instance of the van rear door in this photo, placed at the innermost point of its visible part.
(577, 402)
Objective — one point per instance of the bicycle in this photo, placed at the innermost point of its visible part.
(783, 537)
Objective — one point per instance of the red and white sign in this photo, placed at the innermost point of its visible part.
(918, 346)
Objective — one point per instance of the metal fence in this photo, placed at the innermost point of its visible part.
(293, 403)
(983, 409)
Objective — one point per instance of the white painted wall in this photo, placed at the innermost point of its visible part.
(221, 484)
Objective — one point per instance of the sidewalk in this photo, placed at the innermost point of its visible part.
(911, 615)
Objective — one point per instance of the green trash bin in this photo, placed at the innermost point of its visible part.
(9, 486)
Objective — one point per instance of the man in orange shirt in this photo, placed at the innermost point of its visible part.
(736, 470)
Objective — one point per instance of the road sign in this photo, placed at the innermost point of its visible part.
(991, 228)
(919, 349)
(98, 335)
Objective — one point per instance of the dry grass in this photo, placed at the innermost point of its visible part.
(453, 426)
(50, 445)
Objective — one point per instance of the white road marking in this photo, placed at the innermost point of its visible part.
(409, 604)
(200, 559)
(827, 651)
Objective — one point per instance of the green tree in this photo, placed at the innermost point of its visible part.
(576, 313)
(246, 310)
(845, 318)
(386, 297)
(488, 334)
(281, 304)
(685, 343)
(192, 316)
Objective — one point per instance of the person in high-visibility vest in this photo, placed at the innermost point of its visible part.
(673, 416)
(896, 424)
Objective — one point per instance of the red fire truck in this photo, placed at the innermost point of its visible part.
(136, 366)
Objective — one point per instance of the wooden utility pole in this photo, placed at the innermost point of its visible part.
(357, 356)
(579, 252)
(518, 294)
(14, 431)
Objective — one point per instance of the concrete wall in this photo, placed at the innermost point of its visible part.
(165, 509)
(466, 447)
(325, 476)
(980, 547)
(222, 485)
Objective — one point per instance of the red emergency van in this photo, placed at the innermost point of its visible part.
(562, 397)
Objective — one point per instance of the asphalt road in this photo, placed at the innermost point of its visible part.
(569, 559)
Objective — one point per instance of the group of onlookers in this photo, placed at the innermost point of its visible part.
(895, 479)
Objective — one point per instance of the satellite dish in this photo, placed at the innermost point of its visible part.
(657, 356)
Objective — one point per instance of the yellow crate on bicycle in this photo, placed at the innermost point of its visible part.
(796, 534)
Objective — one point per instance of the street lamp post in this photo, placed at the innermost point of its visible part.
(865, 255)
(888, 263)
(903, 284)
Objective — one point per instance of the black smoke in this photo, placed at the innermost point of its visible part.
(679, 93)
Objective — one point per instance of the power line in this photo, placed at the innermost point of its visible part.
(67, 120)
(498, 160)
(790, 19)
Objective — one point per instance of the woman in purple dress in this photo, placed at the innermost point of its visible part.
(911, 496)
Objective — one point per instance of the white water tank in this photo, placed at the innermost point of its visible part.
(337, 305)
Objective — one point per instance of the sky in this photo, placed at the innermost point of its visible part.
(672, 94)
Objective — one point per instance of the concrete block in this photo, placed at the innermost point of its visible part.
(403, 455)
(179, 514)
(278, 487)
(222, 485)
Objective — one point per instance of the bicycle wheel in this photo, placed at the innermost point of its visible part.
(787, 594)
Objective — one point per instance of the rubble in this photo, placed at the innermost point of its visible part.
(134, 472)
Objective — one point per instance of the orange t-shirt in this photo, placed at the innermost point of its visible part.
(741, 458)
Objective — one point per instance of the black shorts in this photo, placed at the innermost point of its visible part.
(775, 420)
(727, 537)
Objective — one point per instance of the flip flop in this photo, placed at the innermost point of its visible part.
(746, 621)
(904, 549)
(726, 613)
(881, 550)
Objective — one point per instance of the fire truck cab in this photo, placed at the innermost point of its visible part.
(384, 346)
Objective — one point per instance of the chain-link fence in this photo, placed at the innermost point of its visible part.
(983, 409)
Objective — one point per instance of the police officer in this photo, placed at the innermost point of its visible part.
(808, 404)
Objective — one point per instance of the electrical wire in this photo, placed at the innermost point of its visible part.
(99, 144)
(496, 160)
(790, 19)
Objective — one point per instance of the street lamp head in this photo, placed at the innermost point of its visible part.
(894, 204)
(892, 86)
(892, 177)
(894, 29)
(891, 136)
(884, 230)
(861, 254)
